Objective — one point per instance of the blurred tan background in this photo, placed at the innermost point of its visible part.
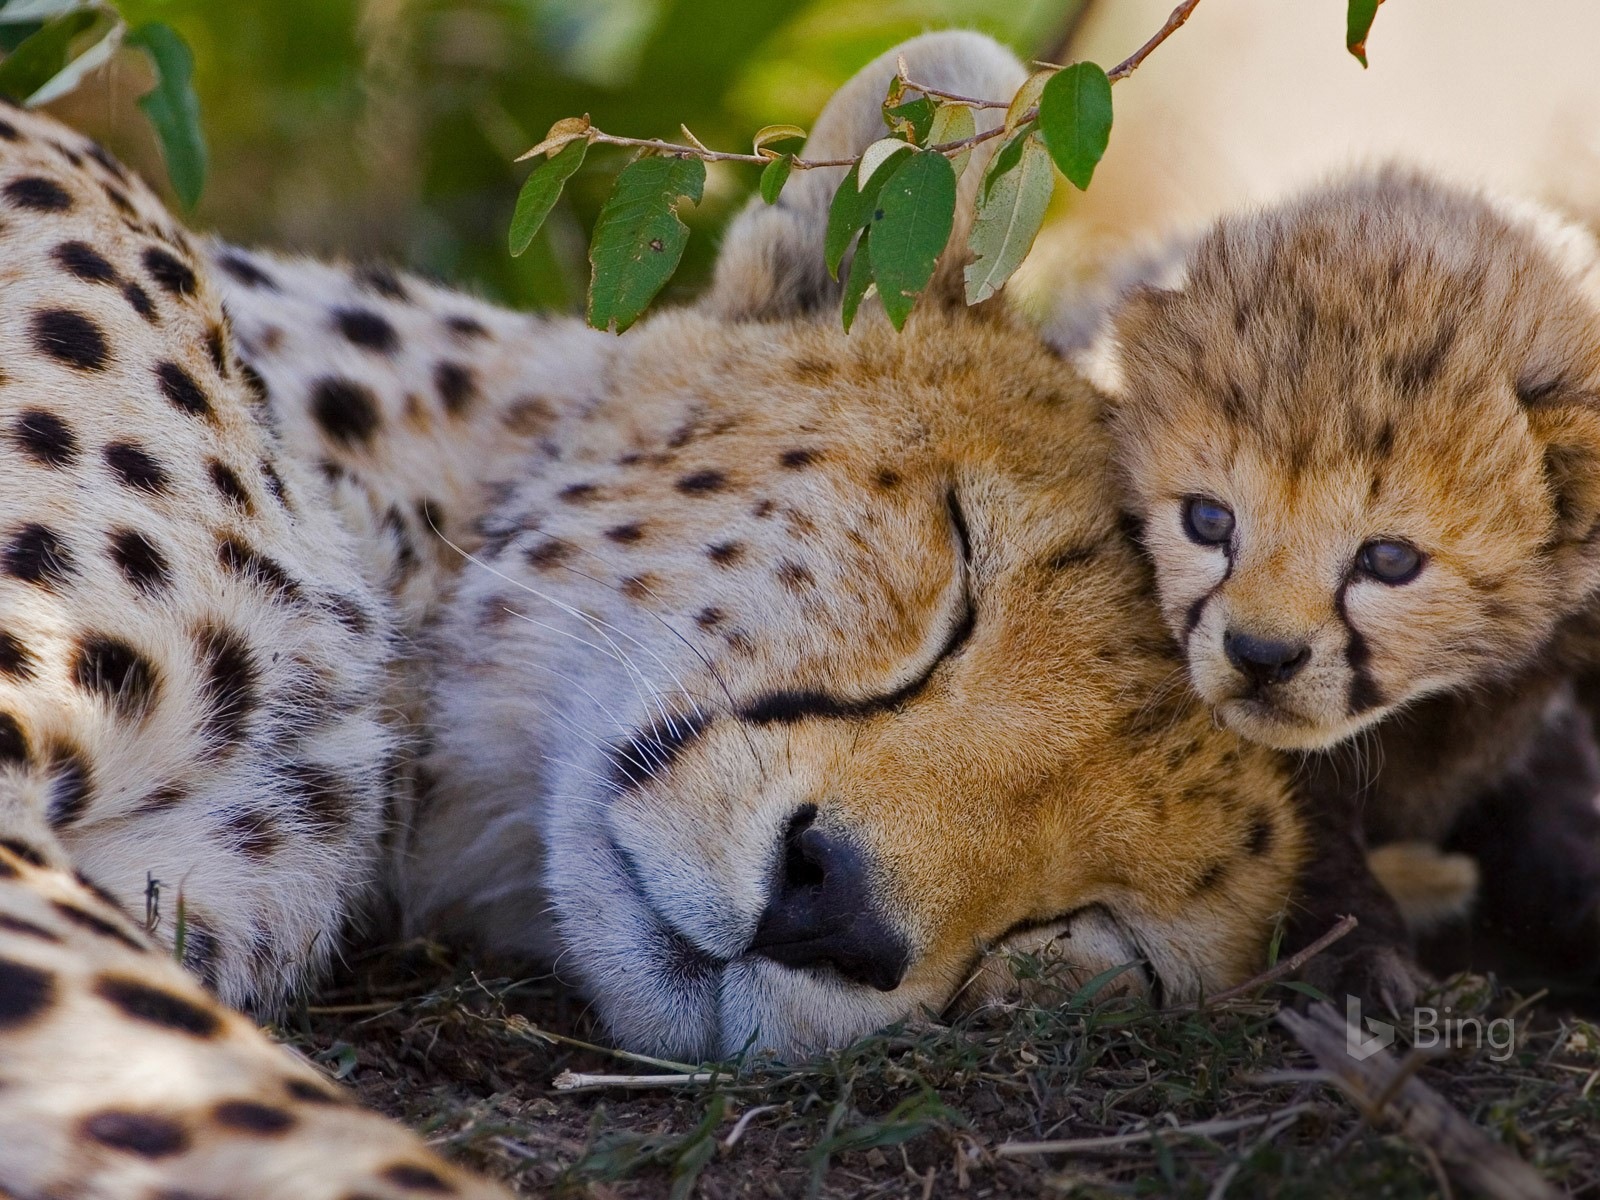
(387, 127)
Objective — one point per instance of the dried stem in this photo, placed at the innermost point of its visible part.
(949, 149)
(1284, 967)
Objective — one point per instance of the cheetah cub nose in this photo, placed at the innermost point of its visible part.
(1264, 661)
(821, 911)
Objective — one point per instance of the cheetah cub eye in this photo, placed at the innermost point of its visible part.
(1391, 562)
(1207, 522)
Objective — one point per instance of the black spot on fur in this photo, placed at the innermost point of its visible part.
(17, 925)
(13, 742)
(250, 563)
(702, 482)
(71, 338)
(578, 493)
(625, 535)
(202, 953)
(171, 275)
(16, 660)
(139, 300)
(36, 554)
(347, 411)
(725, 554)
(8, 131)
(349, 613)
(1415, 368)
(97, 925)
(312, 1093)
(84, 261)
(367, 329)
(1261, 835)
(70, 789)
(22, 851)
(457, 386)
(143, 1134)
(246, 273)
(405, 552)
(324, 797)
(45, 438)
(114, 671)
(887, 479)
(1211, 877)
(274, 483)
(416, 1177)
(134, 467)
(468, 327)
(257, 385)
(157, 1005)
(39, 194)
(217, 349)
(107, 160)
(231, 683)
(178, 386)
(255, 834)
(228, 485)
(141, 563)
(795, 459)
(250, 1116)
(549, 553)
(25, 993)
(381, 280)
(710, 617)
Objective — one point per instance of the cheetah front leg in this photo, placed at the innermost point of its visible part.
(121, 1079)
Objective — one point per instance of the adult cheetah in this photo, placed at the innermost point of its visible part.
(793, 673)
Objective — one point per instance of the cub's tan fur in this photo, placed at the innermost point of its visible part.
(1386, 359)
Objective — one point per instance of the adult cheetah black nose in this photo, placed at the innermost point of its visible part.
(821, 911)
(1264, 661)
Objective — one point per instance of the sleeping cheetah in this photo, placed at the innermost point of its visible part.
(790, 675)
(1362, 433)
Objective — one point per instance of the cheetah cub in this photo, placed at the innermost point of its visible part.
(1361, 431)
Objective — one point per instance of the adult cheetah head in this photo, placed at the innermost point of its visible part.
(1361, 431)
(805, 670)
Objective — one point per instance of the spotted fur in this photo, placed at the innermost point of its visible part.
(773, 682)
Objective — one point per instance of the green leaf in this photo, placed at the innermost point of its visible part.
(541, 191)
(910, 226)
(1358, 23)
(638, 238)
(953, 123)
(1306, 989)
(173, 109)
(859, 284)
(1009, 215)
(852, 208)
(41, 57)
(774, 175)
(1095, 986)
(1075, 119)
(911, 120)
(1007, 157)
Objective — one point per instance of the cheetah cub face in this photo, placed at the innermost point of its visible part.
(1361, 432)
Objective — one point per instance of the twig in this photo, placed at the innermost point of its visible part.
(749, 1115)
(575, 1081)
(1279, 970)
(1131, 64)
(1481, 1164)
(949, 149)
(522, 1027)
(1201, 1129)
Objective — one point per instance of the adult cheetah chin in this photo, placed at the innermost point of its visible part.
(791, 677)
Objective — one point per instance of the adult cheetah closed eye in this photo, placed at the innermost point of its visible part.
(792, 677)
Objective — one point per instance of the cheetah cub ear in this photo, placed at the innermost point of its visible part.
(771, 266)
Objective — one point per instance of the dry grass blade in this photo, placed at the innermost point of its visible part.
(1122, 1140)
(1376, 1087)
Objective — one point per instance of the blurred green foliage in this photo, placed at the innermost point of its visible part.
(388, 127)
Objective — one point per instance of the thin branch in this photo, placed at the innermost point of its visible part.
(949, 149)
(1200, 1129)
(1282, 969)
(1174, 22)
(576, 1081)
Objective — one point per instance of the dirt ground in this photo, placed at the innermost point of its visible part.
(1200, 1104)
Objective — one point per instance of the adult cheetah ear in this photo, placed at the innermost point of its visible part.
(1088, 327)
(771, 265)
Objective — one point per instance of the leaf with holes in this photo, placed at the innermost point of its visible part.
(1010, 211)
(638, 238)
(42, 55)
(173, 108)
(910, 119)
(774, 175)
(541, 191)
(1358, 23)
(910, 226)
(1075, 119)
